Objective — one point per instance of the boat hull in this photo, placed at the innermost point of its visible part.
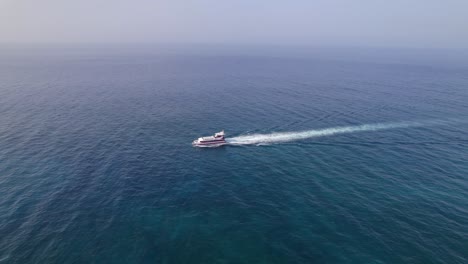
(208, 144)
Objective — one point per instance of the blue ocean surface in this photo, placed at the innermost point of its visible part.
(367, 163)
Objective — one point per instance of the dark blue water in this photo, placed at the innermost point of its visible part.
(96, 164)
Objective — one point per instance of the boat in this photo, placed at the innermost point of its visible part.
(211, 141)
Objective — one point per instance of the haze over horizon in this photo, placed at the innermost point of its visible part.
(415, 24)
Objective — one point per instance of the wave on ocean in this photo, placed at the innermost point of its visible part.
(301, 135)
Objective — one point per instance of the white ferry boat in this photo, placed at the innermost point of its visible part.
(211, 141)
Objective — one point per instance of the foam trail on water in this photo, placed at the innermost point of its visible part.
(293, 136)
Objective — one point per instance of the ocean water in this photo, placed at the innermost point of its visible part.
(333, 159)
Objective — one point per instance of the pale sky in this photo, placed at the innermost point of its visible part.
(398, 23)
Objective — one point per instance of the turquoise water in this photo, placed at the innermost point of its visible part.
(367, 162)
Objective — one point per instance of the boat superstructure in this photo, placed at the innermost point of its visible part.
(211, 141)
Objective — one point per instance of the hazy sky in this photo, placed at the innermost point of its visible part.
(399, 23)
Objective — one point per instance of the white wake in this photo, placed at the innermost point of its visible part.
(293, 136)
